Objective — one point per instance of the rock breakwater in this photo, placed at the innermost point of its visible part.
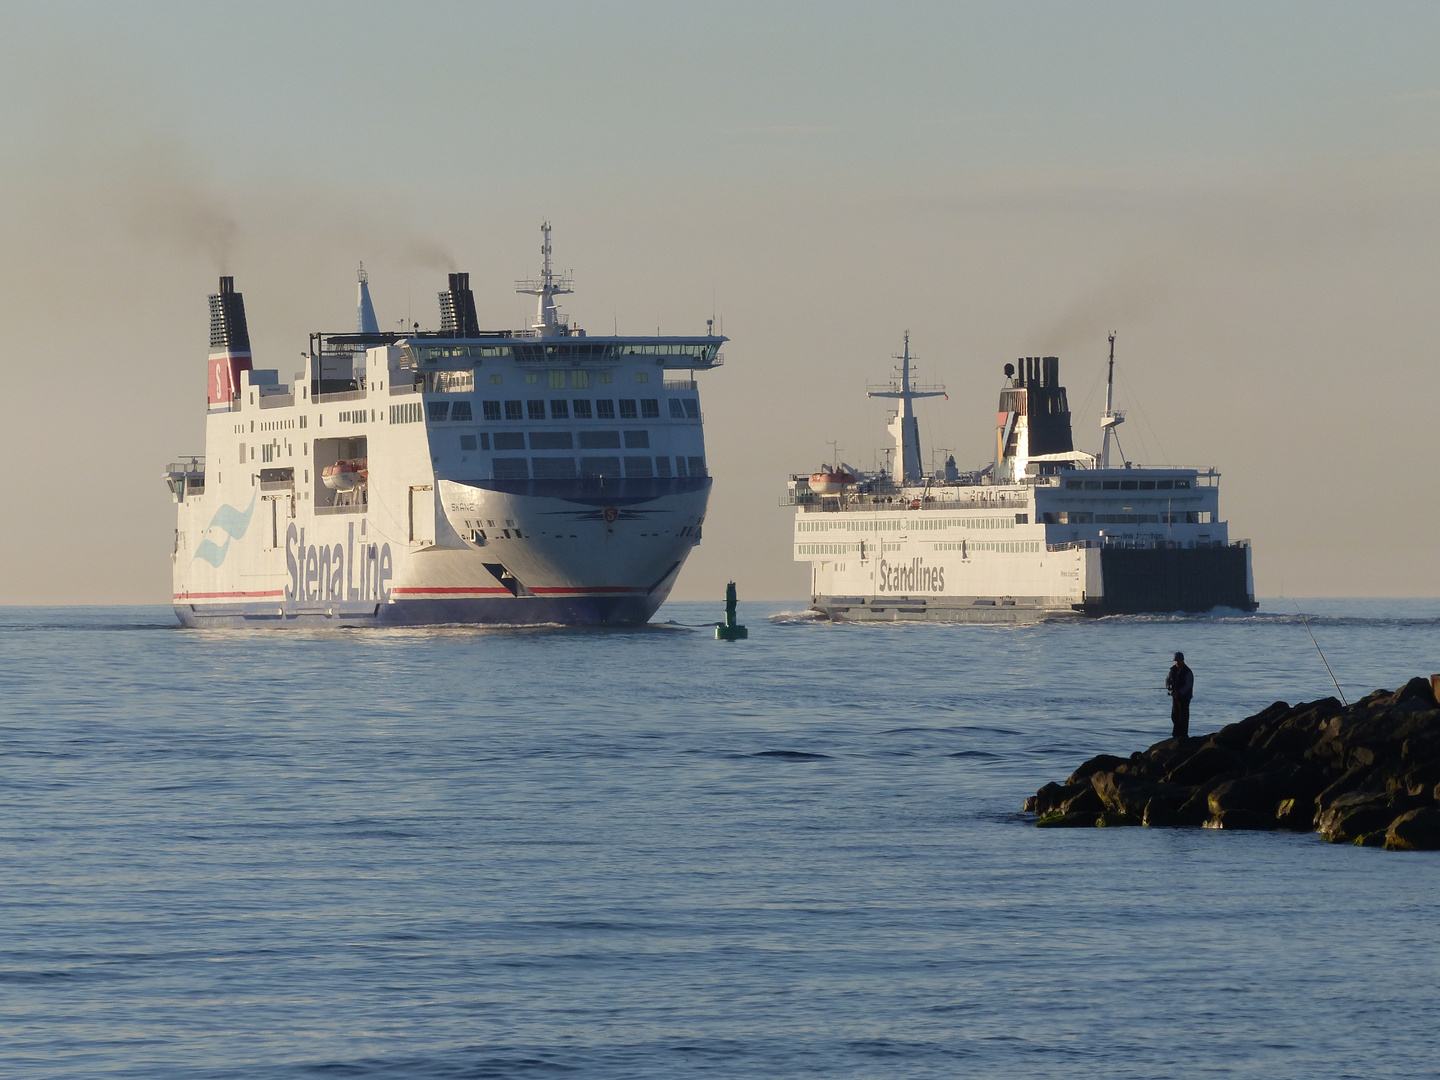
(1367, 774)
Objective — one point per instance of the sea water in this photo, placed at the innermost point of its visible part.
(646, 853)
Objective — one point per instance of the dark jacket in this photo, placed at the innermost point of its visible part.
(1181, 681)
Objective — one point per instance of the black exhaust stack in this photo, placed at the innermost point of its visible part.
(227, 319)
(457, 309)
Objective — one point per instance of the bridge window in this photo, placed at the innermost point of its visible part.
(535, 409)
(559, 409)
(460, 412)
(438, 410)
(582, 408)
(492, 409)
(637, 440)
(514, 411)
(604, 409)
(627, 409)
(650, 408)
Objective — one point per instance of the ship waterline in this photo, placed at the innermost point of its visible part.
(528, 477)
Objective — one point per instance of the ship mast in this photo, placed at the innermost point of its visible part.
(1110, 419)
(904, 426)
(548, 286)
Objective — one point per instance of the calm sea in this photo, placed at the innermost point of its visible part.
(454, 853)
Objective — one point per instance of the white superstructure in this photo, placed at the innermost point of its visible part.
(1044, 530)
(464, 476)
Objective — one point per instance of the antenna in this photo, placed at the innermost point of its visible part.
(1110, 419)
(904, 426)
(548, 286)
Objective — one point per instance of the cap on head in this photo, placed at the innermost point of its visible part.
(1179, 656)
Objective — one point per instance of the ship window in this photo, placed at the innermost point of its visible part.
(1164, 485)
(599, 440)
(650, 408)
(1073, 485)
(496, 379)
(558, 468)
(509, 440)
(492, 409)
(438, 410)
(532, 376)
(592, 467)
(677, 410)
(637, 440)
(627, 409)
(514, 411)
(697, 466)
(535, 409)
(580, 380)
(484, 440)
(467, 442)
(662, 466)
(640, 376)
(680, 466)
(1112, 485)
(559, 409)
(460, 413)
(582, 408)
(1147, 485)
(1092, 485)
(511, 468)
(1129, 485)
(1182, 483)
(692, 408)
(1022, 519)
(639, 466)
(551, 440)
(604, 377)
(557, 380)
(604, 409)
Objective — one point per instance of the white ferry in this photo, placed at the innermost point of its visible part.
(1045, 530)
(534, 476)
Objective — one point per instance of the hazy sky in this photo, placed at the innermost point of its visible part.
(1249, 194)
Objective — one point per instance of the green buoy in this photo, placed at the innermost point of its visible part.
(728, 631)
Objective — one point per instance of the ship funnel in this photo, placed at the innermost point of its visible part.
(457, 309)
(229, 343)
(227, 319)
(365, 321)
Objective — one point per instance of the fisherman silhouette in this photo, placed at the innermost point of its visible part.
(1180, 685)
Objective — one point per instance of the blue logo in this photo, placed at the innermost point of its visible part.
(232, 523)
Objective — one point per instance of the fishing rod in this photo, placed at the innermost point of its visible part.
(1320, 651)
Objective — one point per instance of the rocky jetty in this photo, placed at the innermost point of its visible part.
(1367, 774)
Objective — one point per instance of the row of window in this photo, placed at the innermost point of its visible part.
(355, 416)
(558, 440)
(826, 549)
(594, 468)
(563, 409)
(578, 350)
(915, 524)
(1125, 485)
(409, 412)
(967, 546)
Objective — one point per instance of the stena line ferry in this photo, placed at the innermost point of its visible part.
(520, 477)
(1043, 531)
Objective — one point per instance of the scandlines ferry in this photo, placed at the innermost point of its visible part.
(1043, 531)
(518, 477)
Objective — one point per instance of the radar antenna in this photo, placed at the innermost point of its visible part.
(549, 285)
(904, 426)
(1110, 419)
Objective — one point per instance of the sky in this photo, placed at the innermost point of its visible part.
(1248, 194)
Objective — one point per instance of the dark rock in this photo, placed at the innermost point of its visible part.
(1260, 793)
(1099, 763)
(1161, 812)
(1085, 801)
(1354, 815)
(1066, 821)
(1296, 814)
(1207, 763)
(1417, 689)
(1371, 839)
(1110, 819)
(1417, 830)
(1242, 819)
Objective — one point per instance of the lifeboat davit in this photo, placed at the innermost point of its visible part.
(830, 481)
(344, 475)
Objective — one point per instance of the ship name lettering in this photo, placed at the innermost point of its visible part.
(331, 573)
(915, 577)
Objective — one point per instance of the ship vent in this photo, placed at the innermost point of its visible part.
(457, 309)
(227, 319)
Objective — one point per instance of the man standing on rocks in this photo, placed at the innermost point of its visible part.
(1180, 685)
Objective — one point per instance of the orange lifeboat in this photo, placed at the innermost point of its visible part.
(831, 481)
(345, 475)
